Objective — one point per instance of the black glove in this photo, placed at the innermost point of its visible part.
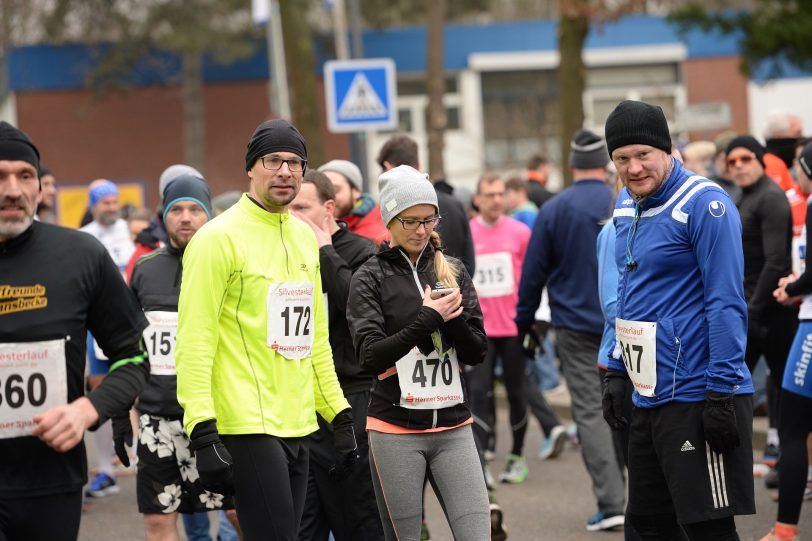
(530, 341)
(719, 422)
(213, 459)
(122, 436)
(614, 394)
(345, 445)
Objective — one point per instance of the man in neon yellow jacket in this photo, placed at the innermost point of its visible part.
(254, 363)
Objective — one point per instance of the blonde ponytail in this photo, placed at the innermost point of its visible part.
(446, 271)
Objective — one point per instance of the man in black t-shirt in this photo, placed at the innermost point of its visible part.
(55, 285)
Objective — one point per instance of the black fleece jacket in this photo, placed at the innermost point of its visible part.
(766, 242)
(338, 262)
(156, 280)
(387, 319)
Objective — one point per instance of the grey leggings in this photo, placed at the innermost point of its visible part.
(400, 463)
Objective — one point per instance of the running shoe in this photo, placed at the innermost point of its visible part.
(602, 522)
(498, 529)
(808, 489)
(101, 486)
(515, 471)
(770, 458)
(554, 444)
(782, 532)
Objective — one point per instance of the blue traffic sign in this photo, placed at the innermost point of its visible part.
(361, 95)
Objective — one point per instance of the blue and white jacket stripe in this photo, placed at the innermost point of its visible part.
(688, 277)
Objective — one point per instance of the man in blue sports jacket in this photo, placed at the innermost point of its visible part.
(681, 330)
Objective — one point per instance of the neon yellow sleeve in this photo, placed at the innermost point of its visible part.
(327, 391)
(208, 265)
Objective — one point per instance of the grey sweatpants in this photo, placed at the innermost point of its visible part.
(400, 463)
(579, 355)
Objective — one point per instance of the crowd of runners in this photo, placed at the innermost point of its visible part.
(305, 359)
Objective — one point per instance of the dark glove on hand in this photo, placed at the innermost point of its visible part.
(719, 422)
(214, 462)
(122, 437)
(530, 341)
(614, 394)
(345, 445)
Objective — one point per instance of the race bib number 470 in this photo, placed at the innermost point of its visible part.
(290, 319)
(429, 382)
(33, 379)
(638, 344)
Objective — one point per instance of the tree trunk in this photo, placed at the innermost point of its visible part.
(5, 46)
(304, 98)
(435, 87)
(573, 27)
(193, 122)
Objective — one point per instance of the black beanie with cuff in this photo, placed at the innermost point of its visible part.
(637, 123)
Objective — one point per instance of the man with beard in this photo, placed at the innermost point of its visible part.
(46, 209)
(679, 256)
(107, 225)
(55, 284)
(253, 359)
(164, 468)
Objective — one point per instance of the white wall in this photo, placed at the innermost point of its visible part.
(793, 95)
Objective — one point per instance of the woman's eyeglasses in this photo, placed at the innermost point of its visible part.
(410, 224)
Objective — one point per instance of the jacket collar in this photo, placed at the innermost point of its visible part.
(396, 255)
(253, 209)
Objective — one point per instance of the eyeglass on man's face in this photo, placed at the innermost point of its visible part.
(274, 163)
(733, 162)
(410, 224)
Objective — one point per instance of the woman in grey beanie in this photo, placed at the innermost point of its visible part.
(415, 340)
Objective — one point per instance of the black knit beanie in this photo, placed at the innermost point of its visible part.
(750, 143)
(637, 123)
(587, 151)
(277, 135)
(187, 188)
(15, 145)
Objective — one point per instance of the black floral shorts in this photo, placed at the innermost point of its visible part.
(167, 480)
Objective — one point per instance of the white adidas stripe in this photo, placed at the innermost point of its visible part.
(716, 474)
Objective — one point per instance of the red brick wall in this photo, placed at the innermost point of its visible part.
(717, 79)
(136, 134)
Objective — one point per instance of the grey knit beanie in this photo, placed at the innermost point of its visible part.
(404, 187)
(174, 171)
(346, 168)
(588, 151)
(637, 123)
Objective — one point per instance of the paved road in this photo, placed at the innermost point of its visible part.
(553, 504)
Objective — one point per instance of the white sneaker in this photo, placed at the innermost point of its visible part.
(554, 444)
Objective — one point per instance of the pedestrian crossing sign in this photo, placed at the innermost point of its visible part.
(360, 95)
